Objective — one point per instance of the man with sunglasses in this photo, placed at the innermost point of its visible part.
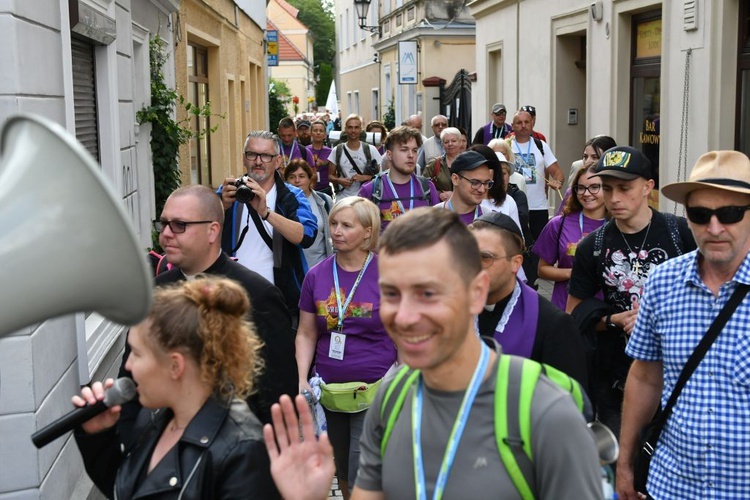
(472, 177)
(190, 228)
(522, 321)
(267, 233)
(616, 259)
(704, 448)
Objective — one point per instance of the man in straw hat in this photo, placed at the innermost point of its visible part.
(704, 448)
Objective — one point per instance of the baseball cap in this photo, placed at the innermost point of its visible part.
(529, 109)
(303, 123)
(468, 160)
(625, 163)
(502, 221)
(726, 170)
(497, 108)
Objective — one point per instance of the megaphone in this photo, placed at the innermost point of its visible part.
(373, 138)
(606, 442)
(66, 244)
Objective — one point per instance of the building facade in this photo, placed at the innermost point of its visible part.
(220, 56)
(85, 65)
(670, 78)
(296, 61)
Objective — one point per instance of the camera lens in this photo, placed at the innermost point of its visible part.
(245, 194)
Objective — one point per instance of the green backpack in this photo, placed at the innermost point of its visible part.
(514, 389)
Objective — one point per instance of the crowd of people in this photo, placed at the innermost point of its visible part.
(325, 268)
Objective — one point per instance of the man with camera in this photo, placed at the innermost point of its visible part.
(267, 222)
(355, 162)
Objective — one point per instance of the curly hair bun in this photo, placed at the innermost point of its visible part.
(222, 295)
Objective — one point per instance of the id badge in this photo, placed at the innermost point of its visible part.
(317, 176)
(336, 349)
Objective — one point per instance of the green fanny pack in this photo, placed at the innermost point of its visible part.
(348, 397)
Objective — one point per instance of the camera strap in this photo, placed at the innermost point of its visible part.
(258, 225)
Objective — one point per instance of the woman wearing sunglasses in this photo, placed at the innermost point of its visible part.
(583, 213)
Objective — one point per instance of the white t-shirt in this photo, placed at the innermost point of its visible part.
(254, 254)
(531, 164)
(358, 155)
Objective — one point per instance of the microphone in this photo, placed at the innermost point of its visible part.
(121, 392)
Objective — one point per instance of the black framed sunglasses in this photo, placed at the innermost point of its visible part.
(725, 215)
(177, 226)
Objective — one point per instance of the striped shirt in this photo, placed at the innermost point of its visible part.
(704, 449)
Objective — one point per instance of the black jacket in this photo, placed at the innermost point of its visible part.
(221, 454)
(273, 324)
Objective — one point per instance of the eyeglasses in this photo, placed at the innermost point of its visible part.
(488, 258)
(725, 215)
(264, 157)
(593, 189)
(476, 183)
(177, 226)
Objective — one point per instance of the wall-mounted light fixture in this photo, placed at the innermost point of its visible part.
(362, 7)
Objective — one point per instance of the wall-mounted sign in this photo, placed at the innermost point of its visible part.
(407, 63)
(272, 48)
(648, 39)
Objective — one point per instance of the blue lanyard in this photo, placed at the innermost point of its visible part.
(524, 156)
(580, 222)
(286, 158)
(342, 308)
(450, 207)
(395, 194)
(455, 436)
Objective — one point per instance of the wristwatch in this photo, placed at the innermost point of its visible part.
(608, 322)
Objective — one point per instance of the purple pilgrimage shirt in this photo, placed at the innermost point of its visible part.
(391, 203)
(320, 163)
(563, 251)
(368, 350)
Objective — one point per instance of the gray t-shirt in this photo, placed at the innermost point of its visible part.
(565, 456)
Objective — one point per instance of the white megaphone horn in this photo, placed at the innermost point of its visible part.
(66, 244)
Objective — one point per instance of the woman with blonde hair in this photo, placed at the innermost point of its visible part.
(438, 170)
(340, 328)
(193, 358)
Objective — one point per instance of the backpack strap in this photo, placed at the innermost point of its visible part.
(392, 404)
(674, 231)
(598, 243)
(514, 390)
(425, 183)
(539, 144)
(377, 188)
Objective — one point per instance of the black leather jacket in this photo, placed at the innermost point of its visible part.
(221, 454)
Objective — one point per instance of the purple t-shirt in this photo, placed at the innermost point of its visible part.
(368, 350)
(574, 227)
(407, 197)
(320, 163)
(466, 218)
(296, 150)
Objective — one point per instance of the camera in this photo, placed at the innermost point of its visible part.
(244, 193)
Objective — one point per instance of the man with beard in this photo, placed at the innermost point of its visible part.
(267, 233)
(304, 136)
(399, 189)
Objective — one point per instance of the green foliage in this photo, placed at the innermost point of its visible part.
(279, 96)
(318, 16)
(325, 78)
(389, 118)
(167, 134)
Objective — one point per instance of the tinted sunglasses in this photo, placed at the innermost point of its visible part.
(725, 215)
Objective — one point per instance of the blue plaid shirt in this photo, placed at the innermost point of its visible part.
(704, 450)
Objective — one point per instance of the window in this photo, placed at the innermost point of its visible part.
(200, 151)
(375, 104)
(356, 102)
(645, 86)
(84, 95)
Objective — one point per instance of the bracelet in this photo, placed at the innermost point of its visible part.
(268, 212)
(608, 322)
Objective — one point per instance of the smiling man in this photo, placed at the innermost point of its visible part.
(472, 177)
(706, 437)
(355, 162)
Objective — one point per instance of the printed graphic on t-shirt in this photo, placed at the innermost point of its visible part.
(526, 166)
(390, 213)
(329, 308)
(625, 273)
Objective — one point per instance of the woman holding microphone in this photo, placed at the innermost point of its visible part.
(192, 358)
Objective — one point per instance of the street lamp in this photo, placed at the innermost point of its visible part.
(362, 7)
